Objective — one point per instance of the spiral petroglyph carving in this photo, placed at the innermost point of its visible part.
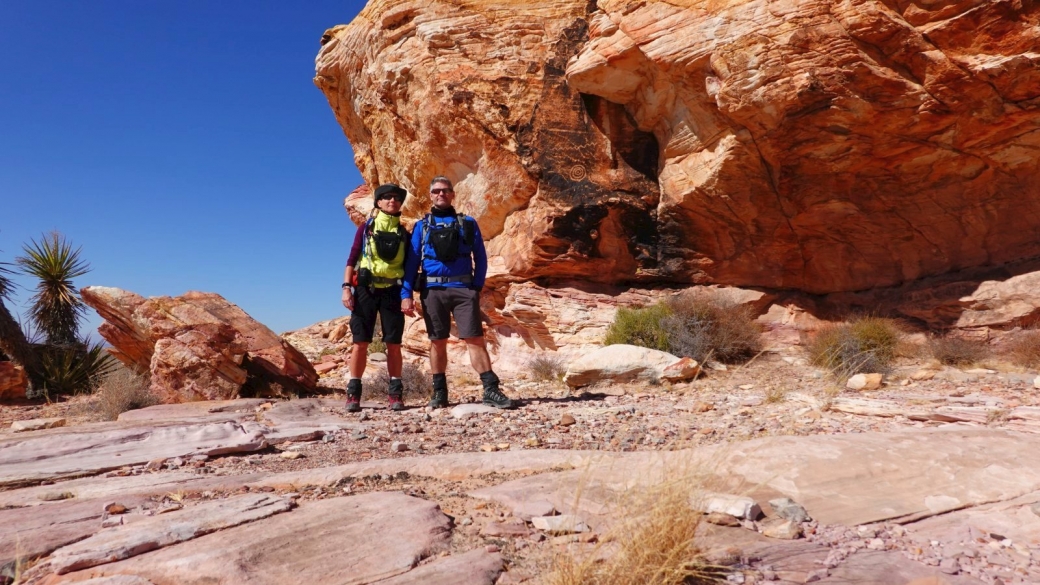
(577, 173)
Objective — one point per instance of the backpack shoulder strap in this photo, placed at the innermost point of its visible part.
(468, 227)
(367, 228)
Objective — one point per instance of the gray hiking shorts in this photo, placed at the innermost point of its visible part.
(440, 304)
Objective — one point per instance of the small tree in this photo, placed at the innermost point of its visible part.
(56, 306)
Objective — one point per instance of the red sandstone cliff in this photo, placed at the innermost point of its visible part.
(802, 144)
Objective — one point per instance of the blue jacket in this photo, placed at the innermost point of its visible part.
(471, 259)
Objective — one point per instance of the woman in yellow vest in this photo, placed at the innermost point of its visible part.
(372, 287)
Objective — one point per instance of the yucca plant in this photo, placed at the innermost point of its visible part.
(56, 307)
(74, 369)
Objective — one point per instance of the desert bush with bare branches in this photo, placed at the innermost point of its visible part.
(863, 345)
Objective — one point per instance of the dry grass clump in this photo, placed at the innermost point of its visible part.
(957, 351)
(1023, 348)
(654, 544)
(776, 395)
(864, 345)
(547, 368)
(123, 390)
(691, 326)
(417, 385)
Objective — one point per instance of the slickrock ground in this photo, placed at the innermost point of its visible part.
(931, 475)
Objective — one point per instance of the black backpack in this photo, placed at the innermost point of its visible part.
(388, 244)
(445, 238)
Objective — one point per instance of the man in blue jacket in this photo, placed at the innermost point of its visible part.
(449, 249)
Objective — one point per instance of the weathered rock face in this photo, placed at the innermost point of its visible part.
(198, 346)
(811, 145)
(13, 381)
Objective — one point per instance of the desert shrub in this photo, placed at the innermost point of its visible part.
(377, 345)
(417, 385)
(864, 345)
(640, 327)
(73, 369)
(123, 390)
(697, 327)
(956, 351)
(547, 368)
(1023, 348)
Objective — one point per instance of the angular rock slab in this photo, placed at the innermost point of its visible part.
(155, 532)
(36, 424)
(839, 479)
(200, 411)
(32, 532)
(86, 450)
(476, 567)
(359, 539)
(306, 419)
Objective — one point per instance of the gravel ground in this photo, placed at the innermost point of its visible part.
(773, 395)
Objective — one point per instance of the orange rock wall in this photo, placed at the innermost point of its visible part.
(813, 145)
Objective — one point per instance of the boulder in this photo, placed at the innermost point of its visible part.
(13, 381)
(684, 369)
(864, 382)
(790, 144)
(198, 346)
(741, 507)
(619, 363)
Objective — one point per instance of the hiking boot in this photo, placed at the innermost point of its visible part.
(440, 391)
(354, 395)
(492, 395)
(395, 394)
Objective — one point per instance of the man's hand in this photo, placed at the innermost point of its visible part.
(408, 307)
(348, 299)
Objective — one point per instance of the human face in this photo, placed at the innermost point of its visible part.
(390, 203)
(441, 194)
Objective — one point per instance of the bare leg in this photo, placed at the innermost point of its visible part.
(393, 360)
(438, 356)
(478, 354)
(359, 359)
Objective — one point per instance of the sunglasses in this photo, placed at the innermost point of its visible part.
(439, 191)
(399, 197)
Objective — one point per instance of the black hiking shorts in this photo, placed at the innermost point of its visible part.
(382, 302)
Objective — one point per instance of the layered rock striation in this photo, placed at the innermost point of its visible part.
(810, 145)
(198, 346)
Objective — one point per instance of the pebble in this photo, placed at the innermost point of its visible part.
(562, 524)
(291, 455)
(398, 447)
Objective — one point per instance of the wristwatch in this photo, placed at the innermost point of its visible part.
(347, 286)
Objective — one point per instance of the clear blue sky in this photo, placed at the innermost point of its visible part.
(182, 145)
